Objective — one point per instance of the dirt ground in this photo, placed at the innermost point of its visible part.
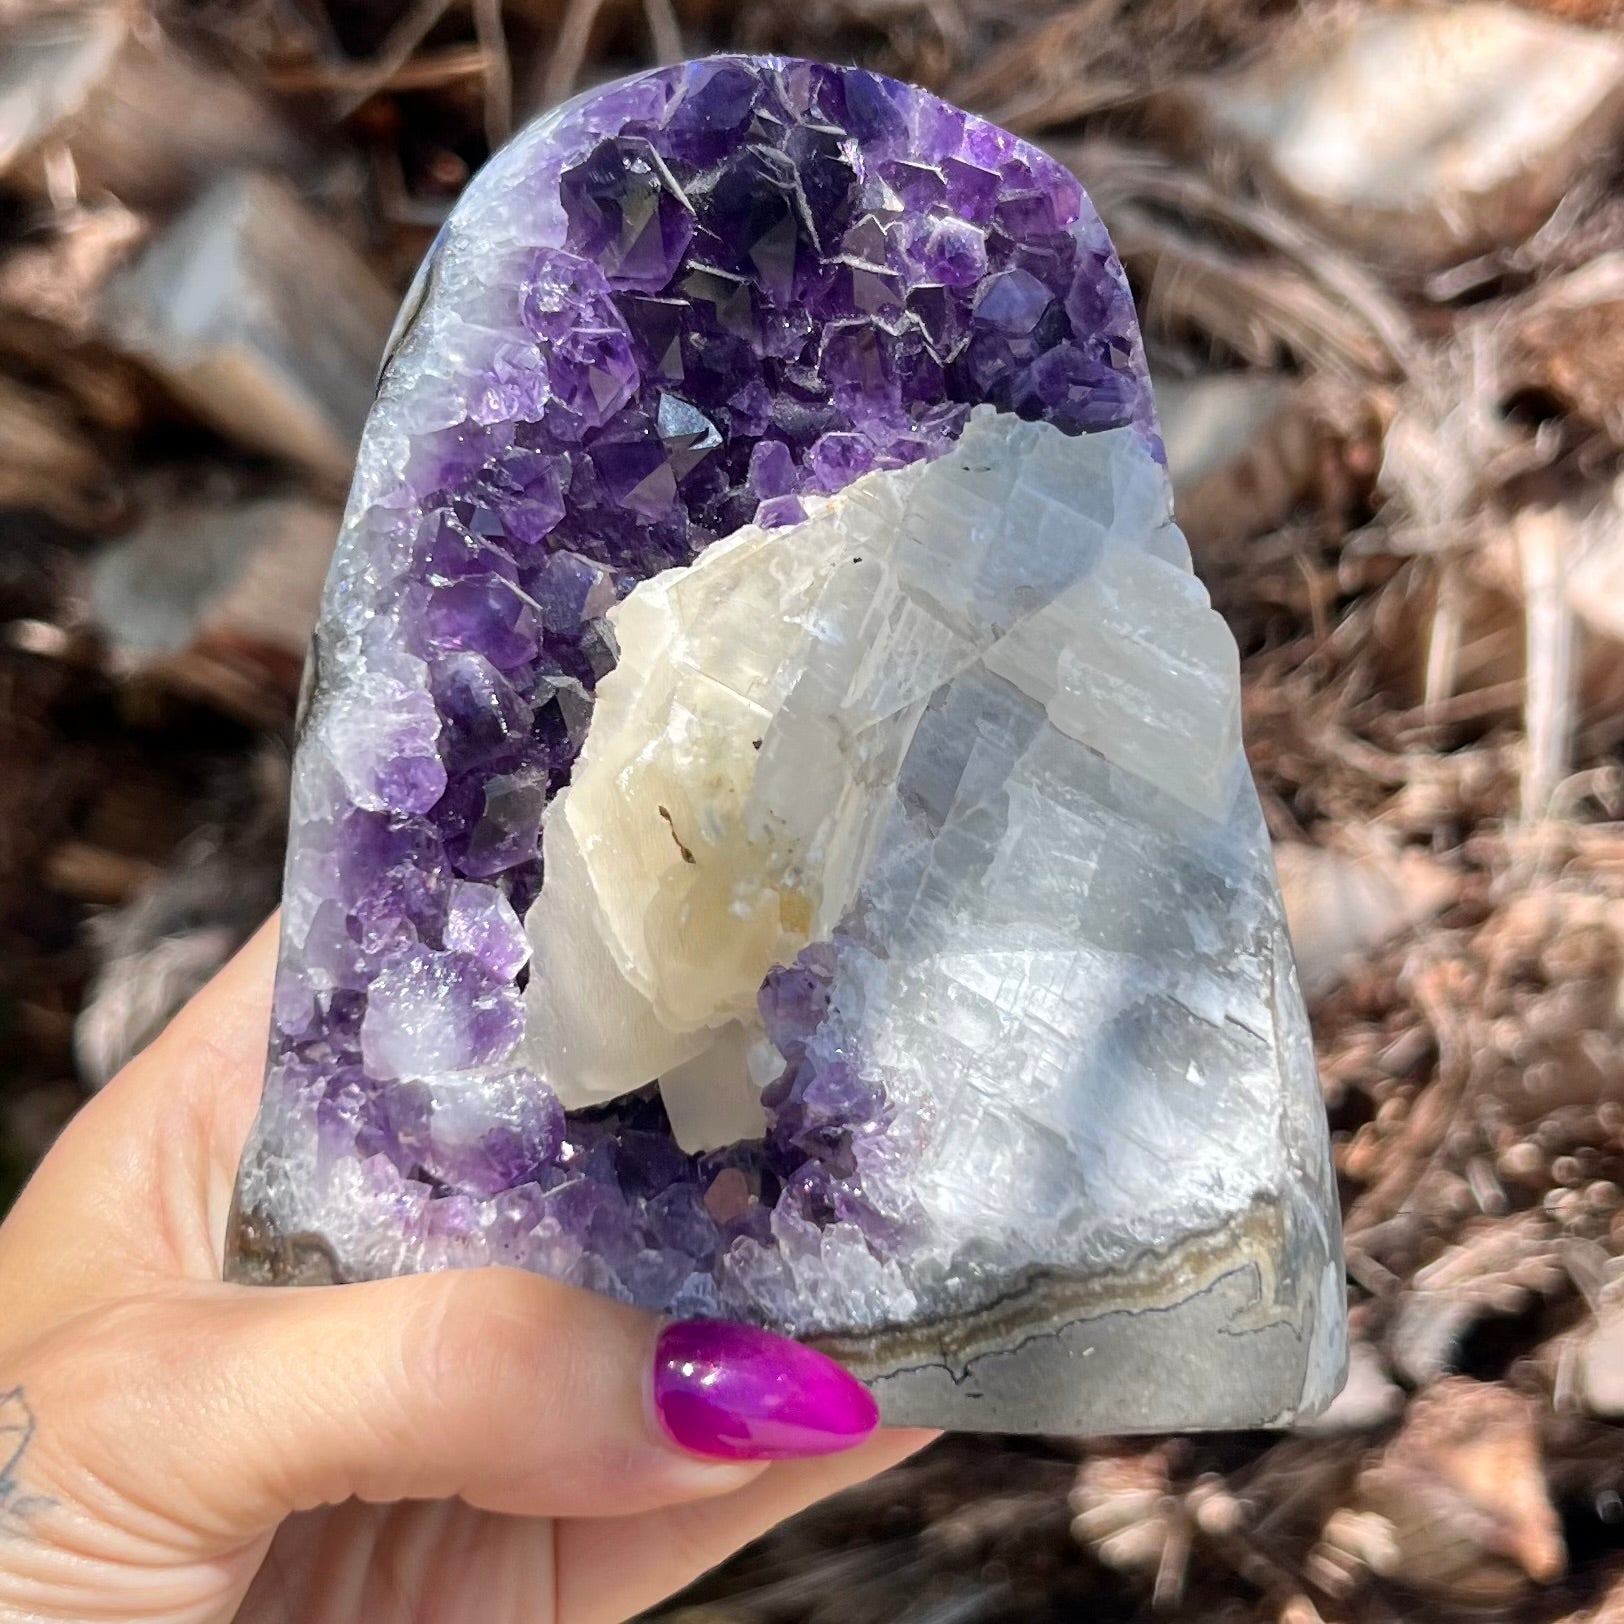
(1379, 253)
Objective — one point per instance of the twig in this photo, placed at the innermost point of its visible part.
(428, 71)
(1257, 307)
(1542, 538)
(1468, 707)
(498, 71)
(664, 31)
(91, 873)
(1443, 644)
(569, 55)
(404, 38)
(1128, 175)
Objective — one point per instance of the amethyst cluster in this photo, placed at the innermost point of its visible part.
(681, 304)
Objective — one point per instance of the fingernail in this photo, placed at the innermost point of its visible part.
(735, 1393)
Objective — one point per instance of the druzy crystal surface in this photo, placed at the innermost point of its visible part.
(770, 835)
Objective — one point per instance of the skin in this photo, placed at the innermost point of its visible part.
(475, 1446)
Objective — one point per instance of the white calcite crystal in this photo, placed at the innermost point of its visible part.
(761, 735)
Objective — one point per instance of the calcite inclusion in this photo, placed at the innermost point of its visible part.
(770, 836)
(749, 782)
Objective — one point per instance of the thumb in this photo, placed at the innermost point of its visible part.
(232, 1407)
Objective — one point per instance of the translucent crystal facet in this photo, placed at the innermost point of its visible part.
(770, 833)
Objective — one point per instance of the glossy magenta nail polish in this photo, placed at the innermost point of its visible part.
(736, 1393)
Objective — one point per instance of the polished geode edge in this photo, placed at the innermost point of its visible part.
(1241, 1325)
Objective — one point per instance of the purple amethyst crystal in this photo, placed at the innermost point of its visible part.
(704, 299)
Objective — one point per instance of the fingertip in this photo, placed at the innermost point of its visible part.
(734, 1392)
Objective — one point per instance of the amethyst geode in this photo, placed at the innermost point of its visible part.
(769, 832)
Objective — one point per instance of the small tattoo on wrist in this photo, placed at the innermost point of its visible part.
(16, 1437)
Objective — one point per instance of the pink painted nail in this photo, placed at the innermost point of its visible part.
(736, 1393)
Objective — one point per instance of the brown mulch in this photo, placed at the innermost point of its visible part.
(1421, 685)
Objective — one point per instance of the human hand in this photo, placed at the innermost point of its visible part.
(482, 1445)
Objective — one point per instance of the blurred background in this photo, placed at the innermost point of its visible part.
(1379, 253)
